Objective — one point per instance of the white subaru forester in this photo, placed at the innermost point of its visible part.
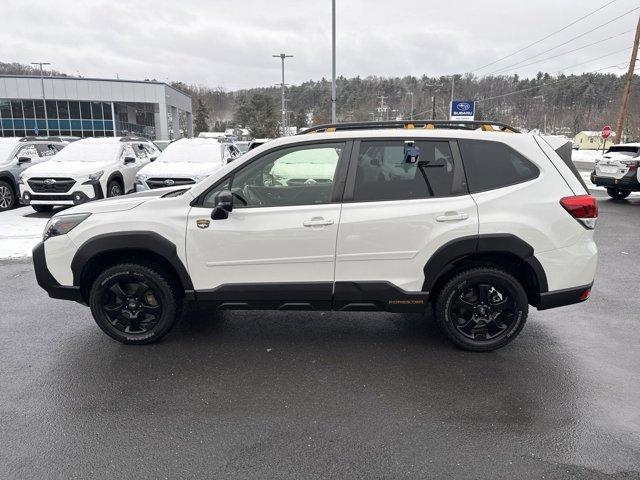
(478, 224)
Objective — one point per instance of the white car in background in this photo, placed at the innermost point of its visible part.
(86, 170)
(185, 162)
(617, 170)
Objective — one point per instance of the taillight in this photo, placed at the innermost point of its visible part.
(583, 208)
(632, 164)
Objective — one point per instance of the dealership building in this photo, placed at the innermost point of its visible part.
(92, 107)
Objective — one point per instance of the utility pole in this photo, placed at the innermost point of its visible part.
(382, 109)
(411, 115)
(44, 101)
(433, 107)
(282, 56)
(333, 61)
(627, 88)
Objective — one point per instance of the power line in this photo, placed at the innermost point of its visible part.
(608, 54)
(571, 39)
(546, 37)
(505, 69)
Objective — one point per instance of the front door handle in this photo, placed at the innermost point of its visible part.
(317, 222)
(452, 217)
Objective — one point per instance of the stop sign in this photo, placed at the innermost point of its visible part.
(606, 132)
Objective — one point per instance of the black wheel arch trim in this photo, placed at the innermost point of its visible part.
(6, 176)
(457, 249)
(133, 240)
(116, 176)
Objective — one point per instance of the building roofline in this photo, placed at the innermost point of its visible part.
(92, 79)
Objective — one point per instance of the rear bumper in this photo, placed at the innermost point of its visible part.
(567, 296)
(50, 284)
(627, 182)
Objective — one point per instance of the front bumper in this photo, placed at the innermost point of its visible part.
(91, 190)
(627, 182)
(50, 284)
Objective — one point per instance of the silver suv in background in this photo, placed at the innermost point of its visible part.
(17, 154)
(617, 170)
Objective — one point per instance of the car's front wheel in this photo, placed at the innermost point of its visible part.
(618, 193)
(114, 189)
(7, 197)
(482, 309)
(134, 304)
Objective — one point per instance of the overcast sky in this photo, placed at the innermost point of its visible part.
(230, 43)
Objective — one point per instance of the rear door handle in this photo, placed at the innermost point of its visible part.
(317, 222)
(452, 217)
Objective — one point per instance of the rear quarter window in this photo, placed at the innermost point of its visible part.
(489, 165)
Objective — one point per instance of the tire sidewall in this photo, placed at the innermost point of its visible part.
(463, 283)
(618, 194)
(160, 288)
(110, 185)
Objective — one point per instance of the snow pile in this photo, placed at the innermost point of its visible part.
(20, 230)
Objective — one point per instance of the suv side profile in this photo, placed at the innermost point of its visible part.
(476, 225)
(617, 170)
(88, 169)
(16, 155)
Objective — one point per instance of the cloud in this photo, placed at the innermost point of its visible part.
(230, 43)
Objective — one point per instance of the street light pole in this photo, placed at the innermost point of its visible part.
(44, 101)
(333, 61)
(282, 56)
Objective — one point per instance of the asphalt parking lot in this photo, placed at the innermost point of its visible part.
(326, 395)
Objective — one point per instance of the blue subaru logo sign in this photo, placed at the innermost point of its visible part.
(463, 110)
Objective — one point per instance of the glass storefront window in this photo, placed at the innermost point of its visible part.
(96, 110)
(27, 107)
(106, 110)
(16, 108)
(63, 109)
(52, 110)
(74, 110)
(85, 110)
(39, 108)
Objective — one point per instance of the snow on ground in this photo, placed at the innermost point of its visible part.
(20, 230)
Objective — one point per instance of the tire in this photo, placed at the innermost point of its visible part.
(482, 309)
(125, 297)
(618, 193)
(114, 189)
(42, 208)
(7, 196)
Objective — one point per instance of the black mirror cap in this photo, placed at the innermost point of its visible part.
(153, 159)
(129, 159)
(224, 205)
(24, 159)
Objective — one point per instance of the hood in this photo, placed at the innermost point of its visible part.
(617, 156)
(120, 204)
(56, 168)
(179, 169)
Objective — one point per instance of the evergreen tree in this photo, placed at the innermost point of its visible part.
(258, 113)
(201, 121)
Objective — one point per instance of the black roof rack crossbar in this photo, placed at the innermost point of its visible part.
(410, 124)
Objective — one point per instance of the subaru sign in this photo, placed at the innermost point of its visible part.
(463, 110)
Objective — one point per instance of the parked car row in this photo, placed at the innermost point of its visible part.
(45, 172)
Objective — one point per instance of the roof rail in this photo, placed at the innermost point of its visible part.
(46, 139)
(485, 125)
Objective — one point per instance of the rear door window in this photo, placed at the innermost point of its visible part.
(387, 171)
(490, 165)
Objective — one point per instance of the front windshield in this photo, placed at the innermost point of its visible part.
(88, 152)
(192, 152)
(625, 150)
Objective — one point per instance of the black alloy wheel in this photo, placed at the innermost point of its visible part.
(134, 304)
(482, 309)
(114, 189)
(618, 193)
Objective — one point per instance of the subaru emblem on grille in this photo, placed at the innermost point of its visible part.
(49, 181)
(169, 181)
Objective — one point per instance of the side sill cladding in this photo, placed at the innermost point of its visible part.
(134, 240)
(458, 249)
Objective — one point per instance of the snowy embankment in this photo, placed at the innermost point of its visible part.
(20, 231)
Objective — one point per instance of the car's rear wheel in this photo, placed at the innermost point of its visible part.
(114, 189)
(42, 208)
(134, 304)
(618, 193)
(482, 309)
(7, 196)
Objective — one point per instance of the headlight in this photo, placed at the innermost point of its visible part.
(199, 178)
(141, 178)
(96, 176)
(63, 224)
(21, 179)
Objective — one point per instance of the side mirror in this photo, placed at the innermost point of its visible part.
(24, 159)
(224, 205)
(128, 160)
(153, 159)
